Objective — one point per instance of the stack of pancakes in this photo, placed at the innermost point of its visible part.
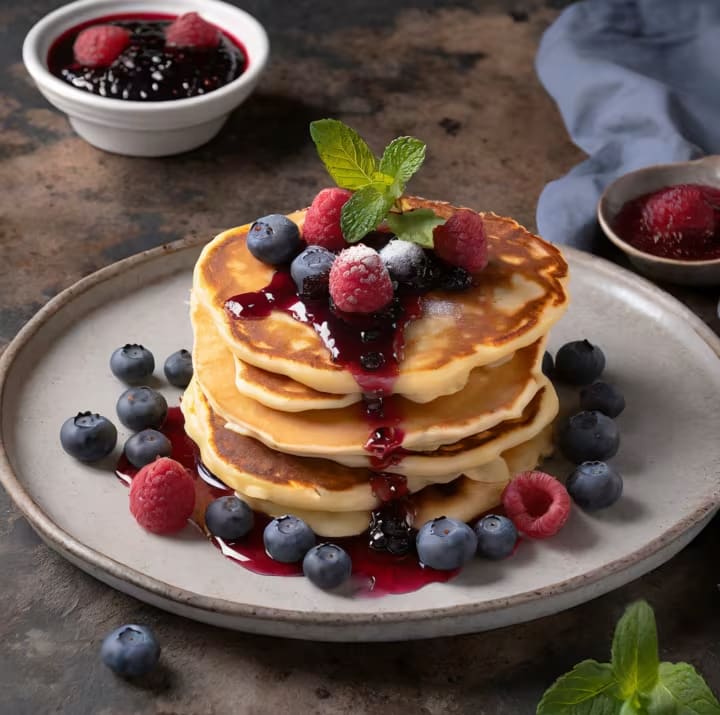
(285, 427)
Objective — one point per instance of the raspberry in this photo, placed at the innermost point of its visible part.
(190, 30)
(322, 220)
(679, 213)
(162, 496)
(101, 45)
(461, 241)
(359, 281)
(537, 503)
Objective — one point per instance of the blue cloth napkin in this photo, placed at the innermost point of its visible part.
(637, 83)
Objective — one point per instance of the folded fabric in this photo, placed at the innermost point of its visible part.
(637, 83)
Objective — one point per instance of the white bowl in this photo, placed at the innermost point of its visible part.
(629, 186)
(145, 128)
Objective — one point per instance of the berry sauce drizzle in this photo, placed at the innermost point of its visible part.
(375, 572)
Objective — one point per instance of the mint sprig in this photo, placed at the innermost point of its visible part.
(377, 183)
(635, 683)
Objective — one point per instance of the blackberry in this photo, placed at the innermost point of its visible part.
(390, 531)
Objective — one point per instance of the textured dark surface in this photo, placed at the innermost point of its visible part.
(459, 75)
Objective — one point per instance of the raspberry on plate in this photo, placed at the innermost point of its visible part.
(190, 30)
(162, 496)
(322, 220)
(101, 45)
(537, 503)
(461, 241)
(359, 281)
(679, 211)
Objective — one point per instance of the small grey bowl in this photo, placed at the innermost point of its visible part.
(636, 183)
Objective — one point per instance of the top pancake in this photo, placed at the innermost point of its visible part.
(512, 303)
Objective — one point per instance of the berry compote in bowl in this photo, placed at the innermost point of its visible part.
(134, 79)
(666, 219)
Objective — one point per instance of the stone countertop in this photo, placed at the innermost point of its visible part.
(458, 74)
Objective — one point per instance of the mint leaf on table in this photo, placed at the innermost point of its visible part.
(401, 159)
(415, 226)
(635, 659)
(347, 157)
(363, 212)
(680, 690)
(585, 690)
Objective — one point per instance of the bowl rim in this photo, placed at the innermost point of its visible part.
(629, 248)
(36, 65)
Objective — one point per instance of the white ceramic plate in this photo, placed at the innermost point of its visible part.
(664, 359)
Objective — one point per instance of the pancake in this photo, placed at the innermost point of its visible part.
(512, 304)
(491, 396)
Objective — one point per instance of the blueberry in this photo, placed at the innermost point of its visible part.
(274, 239)
(445, 544)
(496, 536)
(130, 651)
(455, 278)
(595, 485)
(288, 539)
(327, 566)
(229, 518)
(141, 407)
(132, 364)
(311, 271)
(579, 362)
(588, 436)
(88, 437)
(179, 368)
(548, 364)
(406, 262)
(146, 446)
(604, 397)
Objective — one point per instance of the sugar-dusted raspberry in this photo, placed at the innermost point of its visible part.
(190, 30)
(322, 220)
(359, 281)
(679, 212)
(100, 45)
(461, 241)
(162, 496)
(537, 503)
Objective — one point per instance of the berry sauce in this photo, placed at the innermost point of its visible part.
(378, 570)
(631, 226)
(148, 70)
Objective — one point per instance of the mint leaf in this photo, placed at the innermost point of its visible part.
(415, 226)
(635, 651)
(401, 159)
(347, 158)
(585, 690)
(680, 690)
(363, 212)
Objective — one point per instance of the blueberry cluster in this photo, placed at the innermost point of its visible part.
(90, 437)
(590, 437)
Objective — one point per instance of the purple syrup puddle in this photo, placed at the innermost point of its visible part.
(375, 573)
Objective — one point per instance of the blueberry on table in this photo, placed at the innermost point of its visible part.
(595, 485)
(604, 397)
(287, 539)
(327, 566)
(146, 446)
(130, 651)
(229, 518)
(141, 407)
(579, 362)
(445, 544)
(88, 436)
(588, 436)
(132, 364)
(178, 368)
(496, 537)
(311, 271)
(274, 239)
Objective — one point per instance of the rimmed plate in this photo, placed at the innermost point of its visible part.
(663, 357)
